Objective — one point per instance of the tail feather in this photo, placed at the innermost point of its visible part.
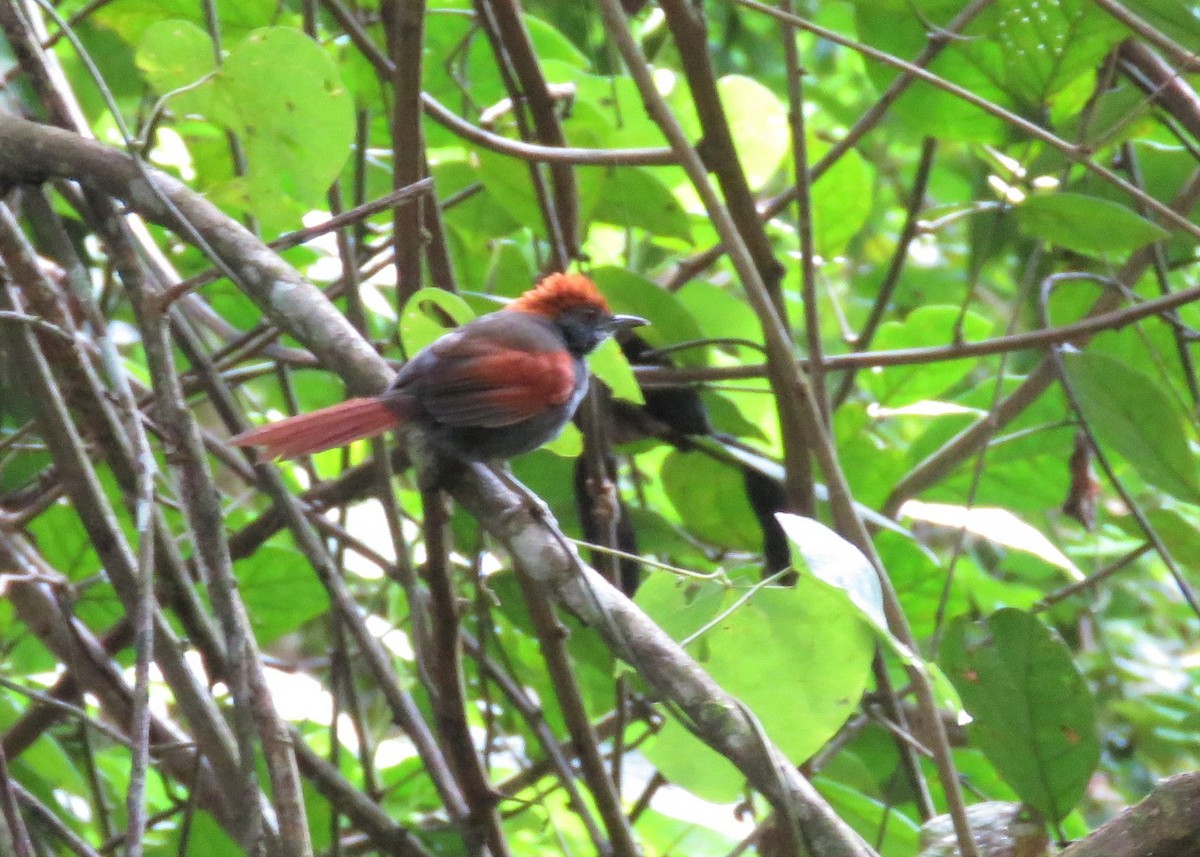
(321, 430)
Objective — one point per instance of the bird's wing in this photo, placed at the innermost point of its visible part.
(489, 382)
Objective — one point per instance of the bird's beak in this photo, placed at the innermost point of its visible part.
(624, 322)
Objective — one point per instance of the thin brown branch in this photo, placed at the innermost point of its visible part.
(528, 92)
(404, 25)
(441, 652)
(552, 636)
(14, 834)
(1163, 823)
(537, 547)
(943, 461)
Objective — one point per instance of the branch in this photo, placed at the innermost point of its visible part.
(1165, 822)
(29, 152)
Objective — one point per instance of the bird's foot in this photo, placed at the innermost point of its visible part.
(532, 504)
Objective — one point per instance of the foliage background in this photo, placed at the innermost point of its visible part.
(919, 218)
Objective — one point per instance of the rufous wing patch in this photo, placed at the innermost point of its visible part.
(499, 388)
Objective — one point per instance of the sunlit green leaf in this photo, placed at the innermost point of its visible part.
(710, 498)
(634, 197)
(177, 54)
(771, 648)
(1086, 224)
(758, 121)
(924, 327)
(610, 366)
(430, 313)
(280, 592)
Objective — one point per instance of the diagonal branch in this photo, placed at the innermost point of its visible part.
(29, 152)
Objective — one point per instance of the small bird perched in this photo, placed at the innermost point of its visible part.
(500, 385)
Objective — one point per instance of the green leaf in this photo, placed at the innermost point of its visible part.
(870, 817)
(636, 197)
(758, 122)
(509, 272)
(836, 563)
(922, 108)
(1086, 224)
(64, 542)
(510, 188)
(1169, 16)
(919, 581)
(279, 591)
(175, 54)
(798, 656)
(772, 649)
(719, 312)
(685, 761)
(480, 217)
(661, 833)
(670, 321)
(131, 18)
(1179, 530)
(45, 758)
(895, 386)
(280, 93)
(608, 364)
(1033, 714)
(1038, 49)
(710, 498)
(1133, 414)
(425, 318)
(841, 200)
(568, 444)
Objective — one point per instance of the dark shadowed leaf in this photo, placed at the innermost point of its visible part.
(1033, 713)
(1132, 414)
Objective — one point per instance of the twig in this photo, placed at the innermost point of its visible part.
(1095, 579)
(444, 669)
(1077, 154)
(945, 459)
(404, 24)
(526, 83)
(403, 195)
(14, 825)
(891, 279)
(552, 637)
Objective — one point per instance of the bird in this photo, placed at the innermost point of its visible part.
(499, 386)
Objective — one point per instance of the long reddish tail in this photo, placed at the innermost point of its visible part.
(324, 429)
